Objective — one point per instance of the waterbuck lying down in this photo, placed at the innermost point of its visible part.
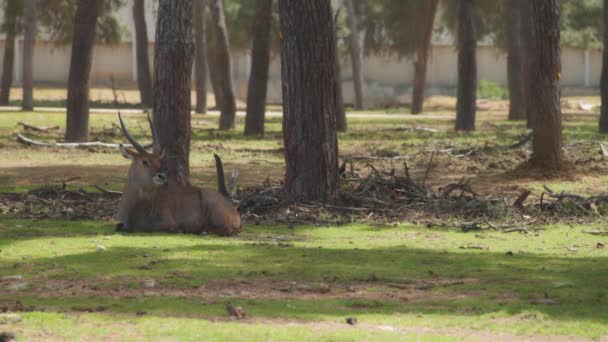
(149, 204)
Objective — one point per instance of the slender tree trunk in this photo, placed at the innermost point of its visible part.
(29, 41)
(260, 63)
(513, 19)
(77, 126)
(200, 56)
(144, 79)
(467, 67)
(529, 60)
(221, 73)
(9, 54)
(356, 55)
(422, 51)
(341, 122)
(604, 81)
(308, 54)
(173, 58)
(547, 147)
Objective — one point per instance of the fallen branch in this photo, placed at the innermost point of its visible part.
(36, 128)
(106, 191)
(522, 142)
(31, 142)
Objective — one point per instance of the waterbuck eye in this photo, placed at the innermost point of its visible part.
(145, 162)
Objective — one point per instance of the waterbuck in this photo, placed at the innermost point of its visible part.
(149, 204)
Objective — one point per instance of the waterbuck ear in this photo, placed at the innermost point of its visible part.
(126, 152)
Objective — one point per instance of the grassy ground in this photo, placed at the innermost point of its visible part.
(78, 280)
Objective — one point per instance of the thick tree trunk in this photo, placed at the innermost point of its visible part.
(341, 122)
(422, 57)
(200, 56)
(260, 62)
(547, 149)
(513, 19)
(29, 40)
(221, 72)
(77, 126)
(173, 58)
(529, 60)
(467, 66)
(144, 79)
(604, 81)
(308, 54)
(356, 55)
(9, 56)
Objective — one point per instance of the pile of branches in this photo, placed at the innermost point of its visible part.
(564, 203)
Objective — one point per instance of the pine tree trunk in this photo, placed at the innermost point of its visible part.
(356, 56)
(9, 56)
(341, 122)
(547, 147)
(529, 60)
(173, 58)
(77, 126)
(144, 79)
(467, 66)
(604, 81)
(29, 41)
(260, 63)
(200, 56)
(513, 18)
(422, 51)
(308, 54)
(221, 73)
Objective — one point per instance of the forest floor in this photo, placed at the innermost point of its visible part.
(434, 273)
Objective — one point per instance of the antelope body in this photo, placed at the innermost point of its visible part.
(150, 204)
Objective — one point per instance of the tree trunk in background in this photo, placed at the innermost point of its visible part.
(308, 54)
(8, 63)
(29, 41)
(260, 63)
(422, 51)
(356, 56)
(604, 81)
(529, 60)
(221, 72)
(467, 67)
(547, 147)
(85, 21)
(173, 59)
(341, 122)
(144, 80)
(200, 56)
(513, 19)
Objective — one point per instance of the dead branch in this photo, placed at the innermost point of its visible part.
(522, 142)
(31, 142)
(29, 127)
(428, 168)
(106, 191)
(519, 202)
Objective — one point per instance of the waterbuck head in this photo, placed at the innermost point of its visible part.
(146, 169)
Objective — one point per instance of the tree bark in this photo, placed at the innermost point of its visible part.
(356, 55)
(547, 146)
(467, 67)
(221, 72)
(604, 80)
(29, 41)
(341, 122)
(529, 60)
(9, 55)
(173, 58)
(85, 21)
(260, 63)
(200, 56)
(422, 52)
(308, 54)
(513, 19)
(144, 79)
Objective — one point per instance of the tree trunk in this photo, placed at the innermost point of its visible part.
(85, 21)
(144, 80)
(467, 66)
(604, 81)
(173, 58)
(9, 55)
(422, 51)
(260, 62)
(547, 149)
(529, 60)
(341, 122)
(221, 72)
(200, 56)
(356, 55)
(29, 41)
(513, 19)
(308, 54)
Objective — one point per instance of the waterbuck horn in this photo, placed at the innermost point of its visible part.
(153, 132)
(130, 138)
